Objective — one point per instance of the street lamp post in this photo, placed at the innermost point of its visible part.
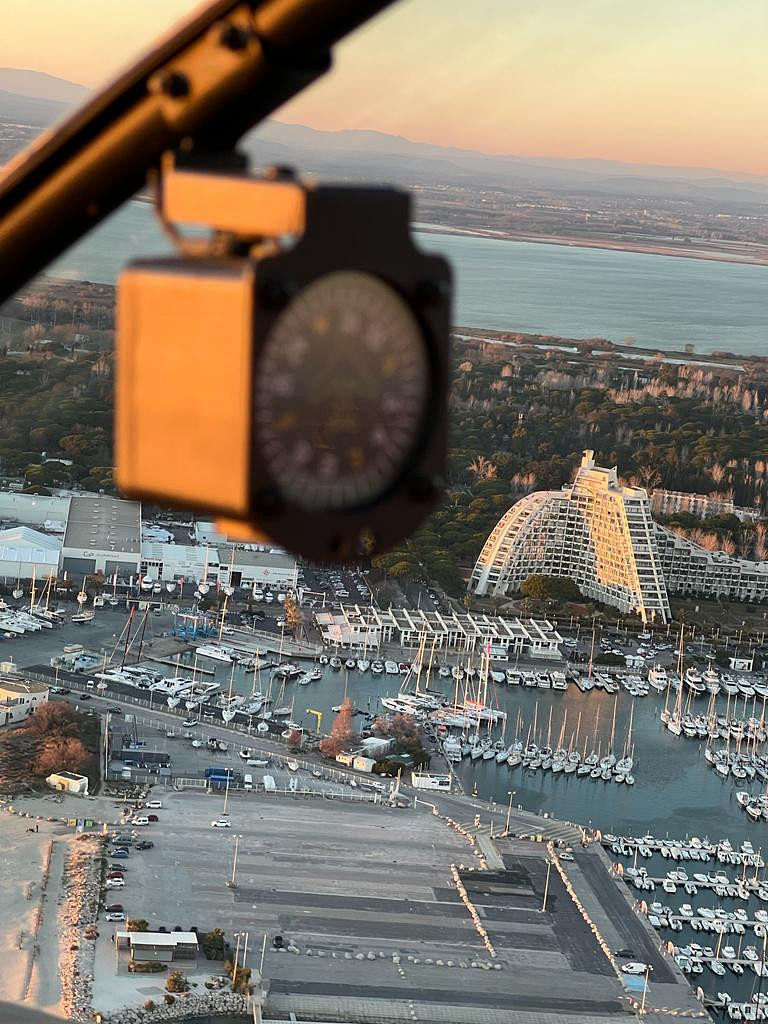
(233, 882)
(511, 793)
(237, 954)
(648, 970)
(546, 886)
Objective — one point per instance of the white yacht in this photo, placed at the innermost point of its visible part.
(391, 668)
(215, 652)
(658, 678)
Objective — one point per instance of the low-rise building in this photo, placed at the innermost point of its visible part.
(19, 698)
(363, 764)
(357, 628)
(223, 565)
(376, 746)
(430, 780)
(68, 782)
(160, 947)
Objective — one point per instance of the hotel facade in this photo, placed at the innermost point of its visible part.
(601, 534)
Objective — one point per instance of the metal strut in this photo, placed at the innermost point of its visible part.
(200, 88)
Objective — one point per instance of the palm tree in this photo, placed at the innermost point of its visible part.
(482, 468)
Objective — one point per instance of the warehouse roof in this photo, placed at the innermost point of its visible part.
(272, 559)
(104, 524)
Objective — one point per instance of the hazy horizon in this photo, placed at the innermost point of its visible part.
(680, 87)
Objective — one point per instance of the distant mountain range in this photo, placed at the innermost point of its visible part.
(37, 99)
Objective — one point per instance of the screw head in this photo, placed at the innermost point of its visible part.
(175, 84)
(233, 37)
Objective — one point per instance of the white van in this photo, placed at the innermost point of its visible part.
(247, 782)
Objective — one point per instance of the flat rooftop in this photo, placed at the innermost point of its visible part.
(21, 686)
(259, 559)
(104, 524)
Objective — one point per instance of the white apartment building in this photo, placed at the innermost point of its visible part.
(601, 535)
(595, 531)
(703, 506)
(696, 572)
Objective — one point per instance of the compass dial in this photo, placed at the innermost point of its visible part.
(341, 393)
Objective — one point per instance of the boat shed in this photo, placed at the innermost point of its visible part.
(27, 553)
(103, 534)
(158, 947)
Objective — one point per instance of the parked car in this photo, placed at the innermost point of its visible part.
(114, 908)
(115, 883)
(634, 967)
(140, 821)
(145, 844)
(152, 817)
(221, 823)
(85, 696)
(116, 915)
(120, 852)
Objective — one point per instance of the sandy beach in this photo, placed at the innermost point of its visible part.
(22, 857)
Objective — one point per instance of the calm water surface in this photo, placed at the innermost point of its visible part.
(661, 301)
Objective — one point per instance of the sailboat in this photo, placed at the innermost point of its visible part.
(675, 719)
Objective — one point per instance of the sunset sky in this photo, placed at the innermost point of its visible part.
(680, 83)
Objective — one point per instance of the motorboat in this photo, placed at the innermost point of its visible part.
(377, 667)
(335, 662)
(214, 652)
(350, 663)
(390, 667)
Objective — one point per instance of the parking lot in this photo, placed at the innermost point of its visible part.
(363, 900)
(173, 744)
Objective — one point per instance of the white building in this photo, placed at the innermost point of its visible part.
(26, 554)
(429, 780)
(595, 531)
(68, 782)
(703, 506)
(103, 534)
(368, 628)
(33, 509)
(19, 698)
(601, 535)
(227, 565)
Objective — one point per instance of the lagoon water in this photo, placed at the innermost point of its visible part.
(663, 302)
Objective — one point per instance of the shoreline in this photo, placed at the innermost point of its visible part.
(574, 242)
